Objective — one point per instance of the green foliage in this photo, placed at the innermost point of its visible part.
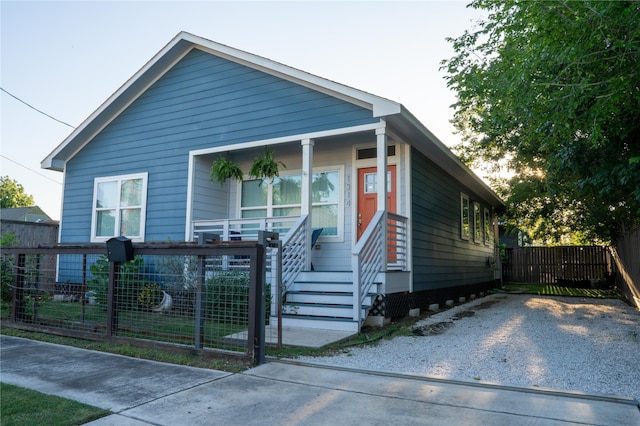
(222, 169)
(149, 296)
(6, 268)
(227, 297)
(22, 406)
(266, 167)
(131, 282)
(12, 194)
(552, 91)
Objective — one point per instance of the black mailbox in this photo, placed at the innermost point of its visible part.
(119, 249)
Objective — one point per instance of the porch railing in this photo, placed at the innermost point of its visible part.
(244, 229)
(368, 255)
(293, 233)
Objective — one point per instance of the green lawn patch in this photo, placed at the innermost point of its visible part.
(27, 407)
(554, 290)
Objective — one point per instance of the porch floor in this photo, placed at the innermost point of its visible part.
(299, 337)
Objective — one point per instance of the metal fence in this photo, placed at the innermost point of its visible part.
(573, 266)
(203, 296)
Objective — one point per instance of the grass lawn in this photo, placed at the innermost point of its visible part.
(554, 290)
(26, 407)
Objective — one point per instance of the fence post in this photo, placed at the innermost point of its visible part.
(199, 308)
(256, 337)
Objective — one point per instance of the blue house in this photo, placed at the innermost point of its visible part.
(402, 222)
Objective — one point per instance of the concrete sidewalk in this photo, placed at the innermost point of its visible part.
(142, 392)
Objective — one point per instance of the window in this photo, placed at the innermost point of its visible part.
(477, 223)
(465, 221)
(119, 207)
(283, 198)
(487, 226)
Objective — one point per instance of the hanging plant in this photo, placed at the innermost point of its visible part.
(222, 169)
(266, 167)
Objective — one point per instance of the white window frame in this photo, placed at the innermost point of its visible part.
(487, 227)
(143, 213)
(477, 223)
(465, 235)
(269, 207)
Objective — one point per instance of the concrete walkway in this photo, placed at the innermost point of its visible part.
(141, 392)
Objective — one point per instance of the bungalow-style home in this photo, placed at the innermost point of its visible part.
(397, 221)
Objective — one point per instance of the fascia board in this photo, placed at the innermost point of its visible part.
(425, 141)
(380, 106)
(117, 102)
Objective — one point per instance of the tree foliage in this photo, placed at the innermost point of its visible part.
(12, 194)
(552, 90)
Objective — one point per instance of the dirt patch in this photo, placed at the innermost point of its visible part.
(432, 329)
(463, 314)
(486, 305)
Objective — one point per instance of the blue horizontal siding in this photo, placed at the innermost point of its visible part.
(441, 258)
(203, 101)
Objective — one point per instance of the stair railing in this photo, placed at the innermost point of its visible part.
(367, 261)
(295, 249)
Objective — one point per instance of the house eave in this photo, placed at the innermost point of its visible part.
(426, 142)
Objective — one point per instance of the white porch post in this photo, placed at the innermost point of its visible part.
(306, 201)
(381, 140)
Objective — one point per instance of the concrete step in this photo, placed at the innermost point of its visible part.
(322, 310)
(321, 286)
(325, 276)
(341, 324)
(319, 297)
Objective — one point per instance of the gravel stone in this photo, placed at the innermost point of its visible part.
(563, 343)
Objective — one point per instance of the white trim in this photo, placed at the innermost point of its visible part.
(286, 139)
(298, 172)
(48, 161)
(408, 212)
(380, 106)
(174, 51)
(143, 207)
(190, 188)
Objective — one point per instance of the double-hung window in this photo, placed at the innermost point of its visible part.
(465, 217)
(487, 226)
(283, 198)
(119, 207)
(477, 223)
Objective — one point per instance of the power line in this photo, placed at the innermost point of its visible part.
(31, 170)
(34, 108)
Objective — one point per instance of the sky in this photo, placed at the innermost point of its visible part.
(65, 58)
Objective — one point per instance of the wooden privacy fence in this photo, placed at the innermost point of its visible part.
(575, 266)
(626, 255)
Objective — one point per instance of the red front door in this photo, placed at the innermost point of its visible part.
(368, 195)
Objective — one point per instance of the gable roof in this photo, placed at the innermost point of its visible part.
(393, 112)
(24, 214)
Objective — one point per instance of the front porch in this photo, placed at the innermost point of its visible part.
(338, 298)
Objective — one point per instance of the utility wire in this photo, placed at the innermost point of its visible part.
(31, 170)
(34, 108)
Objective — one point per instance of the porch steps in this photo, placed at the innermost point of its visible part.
(323, 300)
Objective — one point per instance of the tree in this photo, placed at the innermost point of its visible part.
(12, 194)
(551, 89)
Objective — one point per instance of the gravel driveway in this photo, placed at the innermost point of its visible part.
(565, 343)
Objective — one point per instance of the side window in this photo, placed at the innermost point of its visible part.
(477, 223)
(487, 226)
(465, 217)
(119, 207)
